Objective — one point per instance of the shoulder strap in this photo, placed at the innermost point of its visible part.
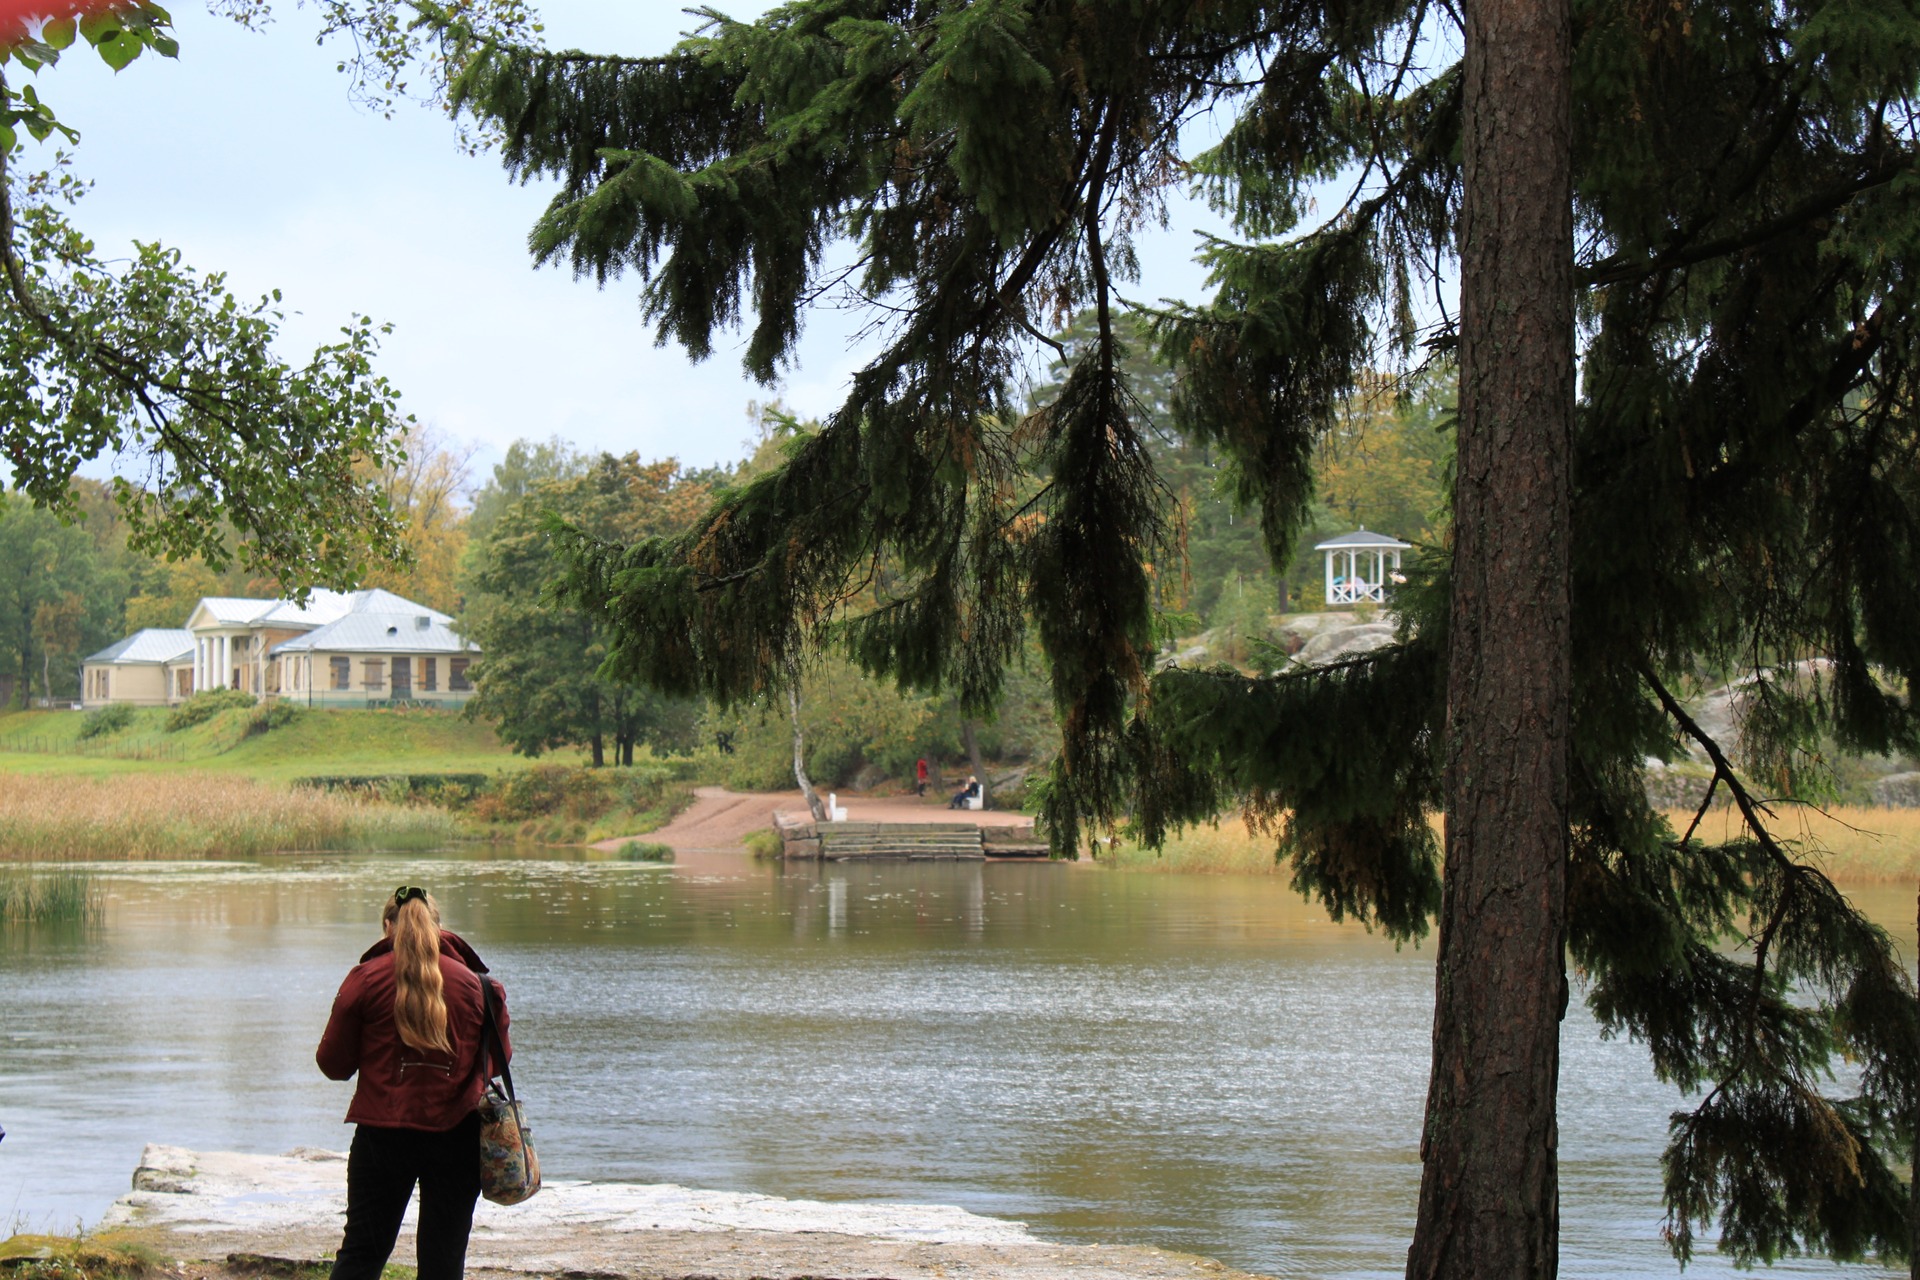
(491, 1050)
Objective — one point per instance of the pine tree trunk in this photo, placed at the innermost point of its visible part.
(973, 759)
(46, 675)
(1489, 1192)
(599, 729)
(814, 805)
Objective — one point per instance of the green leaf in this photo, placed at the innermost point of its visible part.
(8, 139)
(99, 28)
(119, 51)
(166, 46)
(60, 32)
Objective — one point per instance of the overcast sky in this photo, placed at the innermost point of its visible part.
(247, 154)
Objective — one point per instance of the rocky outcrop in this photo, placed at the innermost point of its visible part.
(288, 1210)
(305, 1189)
(1896, 791)
(1340, 643)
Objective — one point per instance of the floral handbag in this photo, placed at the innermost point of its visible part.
(509, 1169)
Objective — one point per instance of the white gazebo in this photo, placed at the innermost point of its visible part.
(1360, 565)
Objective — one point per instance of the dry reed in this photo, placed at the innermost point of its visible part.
(178, 815)
(1853, 845)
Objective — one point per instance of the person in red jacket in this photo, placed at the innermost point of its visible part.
(408, 1020)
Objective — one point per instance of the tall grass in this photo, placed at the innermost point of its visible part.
(182, 815)
(44, 897)
(1853, 845)
(1222, 847)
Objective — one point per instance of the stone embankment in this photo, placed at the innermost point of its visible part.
(219, 1205)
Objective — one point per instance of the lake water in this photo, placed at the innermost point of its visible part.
(1200, 1063)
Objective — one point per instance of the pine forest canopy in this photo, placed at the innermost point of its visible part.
(1742, 241)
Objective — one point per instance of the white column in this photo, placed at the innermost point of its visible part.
(197, 684)
(226, 663)
(1329, 596)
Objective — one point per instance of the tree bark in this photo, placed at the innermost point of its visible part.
(973, 759)
(1489, 1193)
(814, 804)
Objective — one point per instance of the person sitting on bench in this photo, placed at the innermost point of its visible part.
(965, 793)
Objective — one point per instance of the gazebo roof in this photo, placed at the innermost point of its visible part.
(1363, 539)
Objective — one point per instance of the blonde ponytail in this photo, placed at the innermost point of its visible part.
(419, 1004)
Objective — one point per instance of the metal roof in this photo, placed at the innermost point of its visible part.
(1349, 541)
(154, 644)
(322, 607)
(385, 632)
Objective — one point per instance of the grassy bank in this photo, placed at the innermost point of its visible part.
(189, 815)
(222, 776)
(278, 743)
(1853, 845)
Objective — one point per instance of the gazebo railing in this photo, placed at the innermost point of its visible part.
(1358, 592)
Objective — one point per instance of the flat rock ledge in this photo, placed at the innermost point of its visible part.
(217, 1205)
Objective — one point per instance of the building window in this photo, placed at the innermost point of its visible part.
(342, 673)
(457, 674)
(429, 674)
(403, 677)
(374, 673)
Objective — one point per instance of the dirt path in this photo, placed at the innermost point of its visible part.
(718, 820)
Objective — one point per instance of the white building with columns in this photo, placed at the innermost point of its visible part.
(340, 648)
(233, 636)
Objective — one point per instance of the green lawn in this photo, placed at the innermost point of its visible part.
(314, 742)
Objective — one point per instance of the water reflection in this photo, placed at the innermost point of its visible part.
(1197, 1063)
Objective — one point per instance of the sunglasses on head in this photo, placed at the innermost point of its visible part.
(407, 893)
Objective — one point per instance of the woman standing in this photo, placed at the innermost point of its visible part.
(408, 1018)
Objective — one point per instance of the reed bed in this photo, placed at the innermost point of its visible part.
(47, 897)
(1218, 848)
(182, 815)
(1853, 845)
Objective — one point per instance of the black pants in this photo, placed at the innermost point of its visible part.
(382, 1167)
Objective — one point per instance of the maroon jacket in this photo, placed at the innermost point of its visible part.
(402, 1087)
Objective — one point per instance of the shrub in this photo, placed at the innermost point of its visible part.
(271, 716)
(202, 707)
(643, 851)
(112, 718)
(765, 843)
(552, 790)
(443, 790)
